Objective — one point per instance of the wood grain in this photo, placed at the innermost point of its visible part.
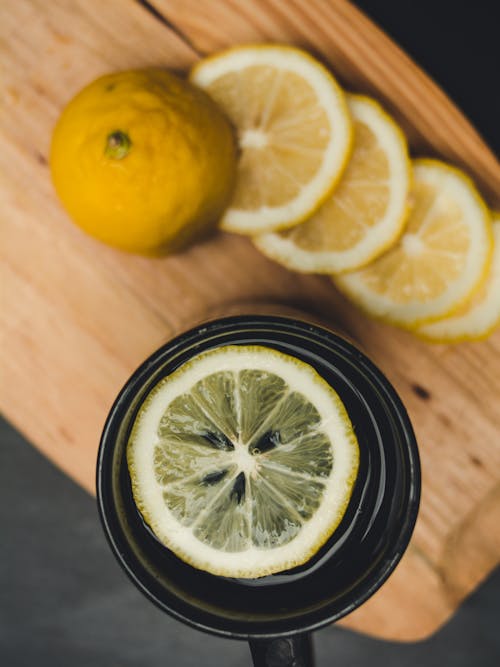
(76, 317)
(70, 304)
(363, 58)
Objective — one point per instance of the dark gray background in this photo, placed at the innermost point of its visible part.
(64, 601)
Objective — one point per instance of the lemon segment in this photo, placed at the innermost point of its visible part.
(243, 461)
(294, 132)
(367, 210)
(477, 318)
(442, 257)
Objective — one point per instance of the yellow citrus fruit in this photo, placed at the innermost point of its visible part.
(294, 132)
(243, 461)
(440, 260)
(143, 160)
(366, 212)
(477, 318)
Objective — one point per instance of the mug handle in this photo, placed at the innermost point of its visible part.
(295, 651)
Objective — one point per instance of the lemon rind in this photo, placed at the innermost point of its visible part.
(388, 315)
(253, 562)
(266, 219)
(382, 235)
(435, 332)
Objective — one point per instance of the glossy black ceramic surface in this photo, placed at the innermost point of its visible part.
(359, 556)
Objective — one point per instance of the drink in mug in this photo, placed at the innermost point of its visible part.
(258, 477)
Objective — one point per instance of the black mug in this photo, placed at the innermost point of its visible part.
(275, 613)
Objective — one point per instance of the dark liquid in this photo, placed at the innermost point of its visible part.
(357, 551)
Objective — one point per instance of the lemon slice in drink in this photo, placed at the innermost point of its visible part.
(479, 316)
(243, 461)
(367, 210)
(442, 257)
(294, 132)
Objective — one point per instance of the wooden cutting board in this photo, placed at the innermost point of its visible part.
(78, 317)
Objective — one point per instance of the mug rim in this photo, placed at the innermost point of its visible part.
(155, 360)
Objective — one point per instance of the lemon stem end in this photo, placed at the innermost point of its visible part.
(117, 145)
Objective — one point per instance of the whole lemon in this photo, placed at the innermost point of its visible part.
(143, 160)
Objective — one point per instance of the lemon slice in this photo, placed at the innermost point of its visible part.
(367, 210)
(440, 260)
(243, 461)
(479, 316)
(294, 132)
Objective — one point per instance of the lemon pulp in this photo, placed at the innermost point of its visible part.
(442, 257)
(365, 213)
(294, 132)
(243, 461)
(477, 318)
